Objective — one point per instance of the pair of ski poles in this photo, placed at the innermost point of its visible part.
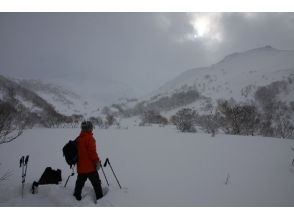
(105, 164)
(23, 163)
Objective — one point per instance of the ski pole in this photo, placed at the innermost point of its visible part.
(21, 164)
(72, 173)
(105, 164)
(104, 173)
(21, 161)
(26, 164)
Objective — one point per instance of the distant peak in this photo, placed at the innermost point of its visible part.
(229, 57)
(267, 47)
(234, 55)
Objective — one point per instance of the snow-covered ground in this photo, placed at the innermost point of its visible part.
(156, 167)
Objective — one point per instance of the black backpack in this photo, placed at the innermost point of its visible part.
(70, 152)
(49, 176)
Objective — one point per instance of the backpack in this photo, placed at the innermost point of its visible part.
(70, 152)
(49, 176)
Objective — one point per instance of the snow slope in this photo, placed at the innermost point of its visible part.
(236, 72)
(64, 100)
(157, 167)
(86, 98)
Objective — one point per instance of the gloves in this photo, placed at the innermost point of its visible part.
(98, 165)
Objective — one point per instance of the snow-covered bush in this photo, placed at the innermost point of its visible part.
(283, 128)
(111, 120)
(97, 121)
(184, 120)
(153, 117)
(238, 118)
(209, 123)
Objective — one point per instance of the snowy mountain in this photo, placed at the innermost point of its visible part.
(248, 76)
(64, 100)
(86, 98)
(25, 102)
(238, 75)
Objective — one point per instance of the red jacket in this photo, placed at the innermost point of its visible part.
(87, 154)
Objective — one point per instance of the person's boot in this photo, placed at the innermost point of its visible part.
(78, 197)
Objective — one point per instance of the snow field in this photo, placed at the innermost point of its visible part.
(157, 167)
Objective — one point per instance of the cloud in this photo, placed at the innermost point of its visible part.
(141, 50)
(244, 31)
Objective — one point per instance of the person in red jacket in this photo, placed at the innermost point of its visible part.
(88, 162)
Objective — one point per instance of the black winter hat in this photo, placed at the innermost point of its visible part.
(87, 125)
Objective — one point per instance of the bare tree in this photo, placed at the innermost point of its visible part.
(284, 128)
(11, 126)
(12, 123)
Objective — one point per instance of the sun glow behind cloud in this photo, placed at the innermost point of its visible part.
(207, 27)
(202, 26)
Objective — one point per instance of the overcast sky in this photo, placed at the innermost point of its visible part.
(141, 50)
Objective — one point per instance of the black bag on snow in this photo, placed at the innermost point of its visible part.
(49, 176)
(70, 152)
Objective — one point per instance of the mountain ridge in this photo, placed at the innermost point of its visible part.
(28, 105)
(237, 76)
(259, 67)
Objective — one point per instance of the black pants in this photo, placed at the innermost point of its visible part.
(95, 181)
